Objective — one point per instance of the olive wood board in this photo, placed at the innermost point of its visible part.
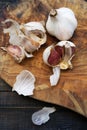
(71, 91)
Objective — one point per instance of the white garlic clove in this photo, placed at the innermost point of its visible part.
(13, 28)
(42, 116)
(35, 31)
(54, 78)
(25, 83)
(61, 23)
(31, 26)
(63, 43)
(10, 26)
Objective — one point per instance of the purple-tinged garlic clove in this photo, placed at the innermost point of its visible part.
(52, 56)
(42, 116)
(59, 54)
(25, 83)
(15, 51)
(58, 57)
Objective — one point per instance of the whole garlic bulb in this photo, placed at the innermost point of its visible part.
(59, 55)
(61, 23)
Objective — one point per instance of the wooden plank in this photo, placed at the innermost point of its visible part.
(66, 93)
(4, 86)
(20, 119)
(12, 99)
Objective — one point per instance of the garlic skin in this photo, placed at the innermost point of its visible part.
(61, 23)
(54, 78)
(60, 55)
(29, 37)
(25, 83)
(42, 116)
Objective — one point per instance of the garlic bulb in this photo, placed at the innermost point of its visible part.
(61, 23)
(59, 55)
(24, 84)
(29, 37)
(42, 116)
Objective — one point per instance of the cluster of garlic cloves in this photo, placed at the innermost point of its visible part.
(25, 38)
(59, 56)
(61, 23)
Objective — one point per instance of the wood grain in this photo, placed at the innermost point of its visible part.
(71, 91)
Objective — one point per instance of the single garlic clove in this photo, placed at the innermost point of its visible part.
(10, 26)
(24, 84)
(31, 26)
(17, 52)
(54, 78)
(36, 31)
(42, 116)
(46, 54)
(52, 55)
(69, 53)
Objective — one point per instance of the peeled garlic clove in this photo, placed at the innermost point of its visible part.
(42, 116)
(24, 84)
(54, 78)
(61, 23)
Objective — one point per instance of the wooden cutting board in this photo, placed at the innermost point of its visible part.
(71, 91)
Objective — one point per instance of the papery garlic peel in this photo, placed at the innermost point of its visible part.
(61, 23)
(25, 83)
(42, 116)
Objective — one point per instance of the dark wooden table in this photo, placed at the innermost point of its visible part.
(16, 112)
